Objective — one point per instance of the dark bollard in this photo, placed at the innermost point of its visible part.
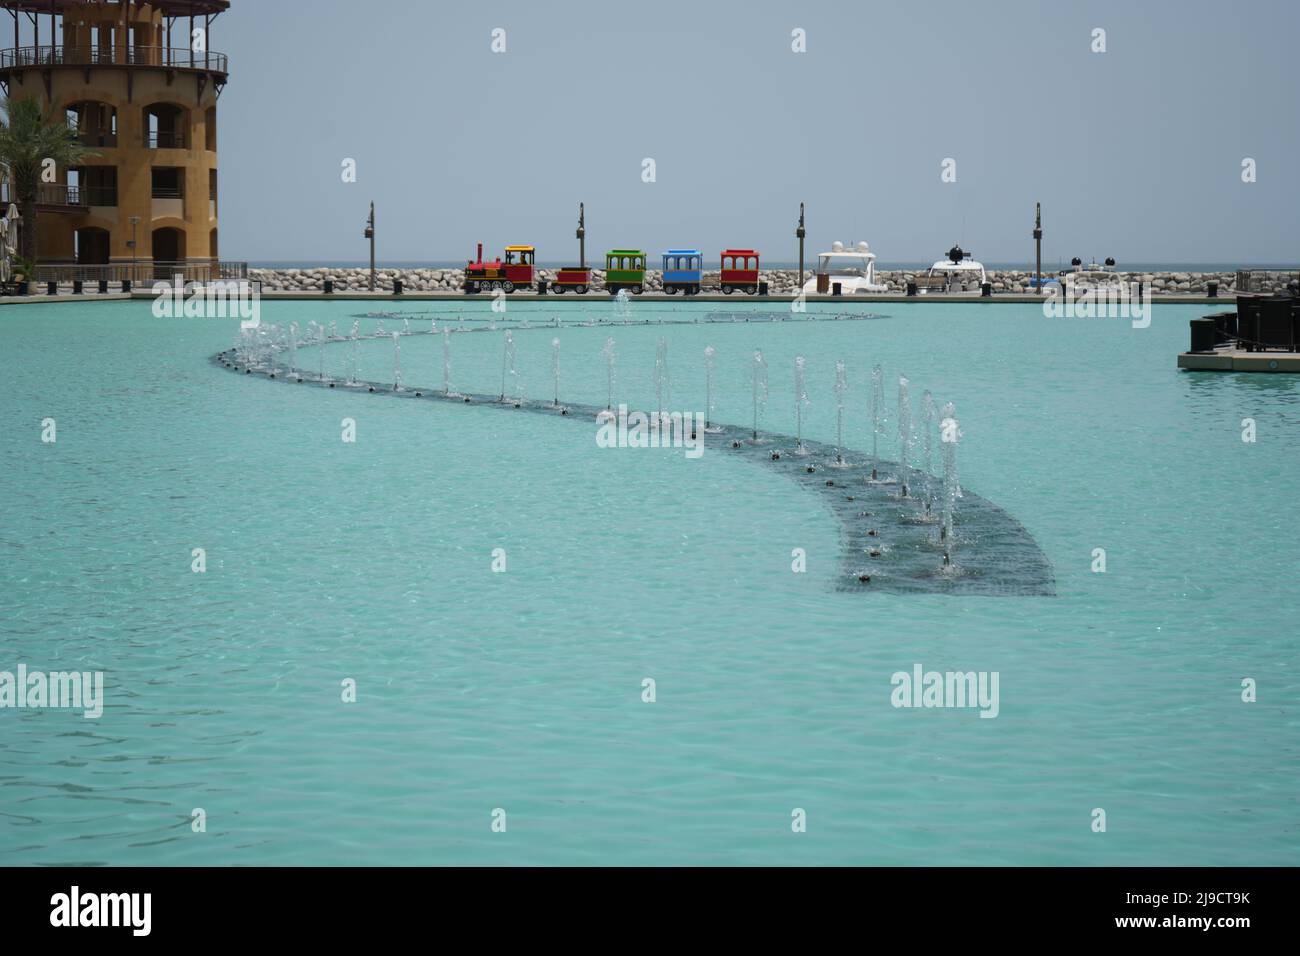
(541, 287)
(126, 285)
(51, 288)
(24, 288)
(397, 287)
(103, 287)
(1212, 289)
(329, 286)
(986, 290)
(837, 288)
(911, 288)
(762, 287)
(1202, 335)
(77, 287)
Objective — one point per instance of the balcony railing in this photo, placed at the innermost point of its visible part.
(165, 139)
(96, 139)
(176, 58)
(48, 194)
(167, 192)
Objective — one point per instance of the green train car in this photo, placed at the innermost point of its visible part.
(625, 269)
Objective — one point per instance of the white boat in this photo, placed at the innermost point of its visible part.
(957, 273)
(854, 269)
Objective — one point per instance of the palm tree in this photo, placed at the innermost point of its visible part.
(31, 137)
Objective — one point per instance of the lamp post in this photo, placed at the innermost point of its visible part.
(370, 234)
(582, 237)
(1038, 244)
(801, 232)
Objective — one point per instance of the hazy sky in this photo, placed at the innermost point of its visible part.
(1135, 152)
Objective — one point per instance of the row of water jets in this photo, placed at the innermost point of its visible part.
(260, 346)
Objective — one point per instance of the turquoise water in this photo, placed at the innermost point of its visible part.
(522, 690)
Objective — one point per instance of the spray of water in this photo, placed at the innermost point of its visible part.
(293, 349)
(397, 363)
(555, 368)
(446, 362)
(841, 387)
(949, 435)
(904, 435)
(709, 427)
(758, 380)
(356, 331)
(610, 358)
(928, 412)
(660, 377)
(800, 400)
(508, 364)
(877, 412)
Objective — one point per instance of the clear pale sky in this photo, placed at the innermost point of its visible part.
(1135, 152)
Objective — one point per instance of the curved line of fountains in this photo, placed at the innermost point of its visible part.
(259, 347)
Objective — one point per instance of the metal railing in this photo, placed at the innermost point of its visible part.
(96, 140)
(176, 58)
(141, 273)
(165, 139)
(48, 194)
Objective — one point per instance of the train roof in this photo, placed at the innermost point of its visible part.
(521, 248)
(683, 252)
(625, 252)
(740, 252)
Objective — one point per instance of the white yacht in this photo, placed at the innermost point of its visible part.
(956, 273)
(854, 269)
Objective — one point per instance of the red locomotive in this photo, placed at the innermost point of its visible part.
(739, 270)
(514, 272)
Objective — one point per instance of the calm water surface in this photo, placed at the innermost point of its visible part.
(522, 690)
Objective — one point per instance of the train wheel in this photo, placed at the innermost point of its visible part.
(670, 290)
(581, 289)
(507, 287)
(636, 290)
(726, 289)
(557, 288)
(496, 286)
(751, 289)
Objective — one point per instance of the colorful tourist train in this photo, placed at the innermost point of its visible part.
(625, 269)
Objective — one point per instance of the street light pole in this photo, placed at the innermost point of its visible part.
(370, 234)
(801, 232)
(1038, 244)
(135, 221)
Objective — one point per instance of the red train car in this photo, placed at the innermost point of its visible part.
(515, 272)
(739, 270)
(576, 278)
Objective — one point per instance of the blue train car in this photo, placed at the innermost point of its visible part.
(682, 271)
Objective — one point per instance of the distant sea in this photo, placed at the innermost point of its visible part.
(772, 264)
